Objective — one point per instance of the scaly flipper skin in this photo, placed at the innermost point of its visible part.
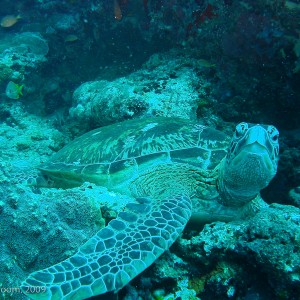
(117, 253)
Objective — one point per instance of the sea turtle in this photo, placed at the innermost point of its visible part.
(176, 169)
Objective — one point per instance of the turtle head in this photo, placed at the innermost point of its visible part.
(250, 164)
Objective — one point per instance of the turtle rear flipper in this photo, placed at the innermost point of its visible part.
(117, 253)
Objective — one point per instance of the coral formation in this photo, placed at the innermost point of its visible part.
(160, 92)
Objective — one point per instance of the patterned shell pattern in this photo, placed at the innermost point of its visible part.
(109, 155)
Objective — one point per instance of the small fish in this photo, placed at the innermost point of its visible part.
(9, 20)
(117, 11)
(205, 63)
(14, 90)
(71, 38)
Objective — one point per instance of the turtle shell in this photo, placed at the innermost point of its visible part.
(114, 155)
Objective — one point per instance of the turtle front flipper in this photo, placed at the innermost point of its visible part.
(116, 254)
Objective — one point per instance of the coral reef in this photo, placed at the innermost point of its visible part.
(172, 88)
(21, 53)
(39, 225)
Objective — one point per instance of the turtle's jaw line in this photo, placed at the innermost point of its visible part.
(239, 184)
(255, 152)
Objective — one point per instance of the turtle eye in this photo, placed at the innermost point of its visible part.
(275, 137)
(273, 133)
(240, 129)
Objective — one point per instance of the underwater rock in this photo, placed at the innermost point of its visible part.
(294, 194)
(27, 49)
(267, 245)
(19, 54)
(62, 220)
(65, 22)
(171, 89)
(33, 217)
(5, 73)
(103, 102)
(34, 43)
